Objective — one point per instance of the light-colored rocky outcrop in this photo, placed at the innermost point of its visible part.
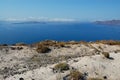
(28, 64)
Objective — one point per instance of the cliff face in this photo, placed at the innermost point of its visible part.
(110, 22)
(24, 62)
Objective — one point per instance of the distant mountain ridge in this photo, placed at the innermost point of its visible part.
(30, 22)
(109, 22)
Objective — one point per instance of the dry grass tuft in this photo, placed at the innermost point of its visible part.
(95, 79)
(109, 42)
(60, 44)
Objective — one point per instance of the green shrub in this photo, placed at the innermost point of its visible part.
(106, 54)
(76, 75)
(61, 67)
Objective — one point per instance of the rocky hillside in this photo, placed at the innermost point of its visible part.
(51, 60)
(109, 22)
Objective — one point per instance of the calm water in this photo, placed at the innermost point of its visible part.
(29, 33)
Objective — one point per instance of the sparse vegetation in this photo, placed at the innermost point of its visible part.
(51, 43)
(109, 42)
(117, 51)
(19, 48)
(95, 79)
(12, 48)
(106, 54)
(63, 44)
(42, 48)
(61, 67)
(20, 44)
(48, 43)
(58, 54)
(16, 48)
(76, 75)
(60, 44)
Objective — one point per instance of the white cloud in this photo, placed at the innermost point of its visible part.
(15, 19)
(10, 19)
(61, 19)
(40, 19)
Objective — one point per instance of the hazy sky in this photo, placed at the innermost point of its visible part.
(82, 10)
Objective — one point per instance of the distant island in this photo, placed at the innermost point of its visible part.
(109, 22)
(40, 22)
(30, 22)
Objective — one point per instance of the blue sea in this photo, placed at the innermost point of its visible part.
(11, 33)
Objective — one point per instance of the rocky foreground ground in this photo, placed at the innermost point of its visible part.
(29, 62)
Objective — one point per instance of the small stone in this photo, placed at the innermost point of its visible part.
(85, 65)
(11, 60)
(21, 79)
(105, 77)
(75, 60)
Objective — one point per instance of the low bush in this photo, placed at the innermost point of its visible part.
(42, 49)
(60, 44)
(61, 67)
(76, 75)
(19, 48)
(16, 48)
(106, 54)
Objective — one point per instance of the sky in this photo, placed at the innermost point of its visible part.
(83, 10)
